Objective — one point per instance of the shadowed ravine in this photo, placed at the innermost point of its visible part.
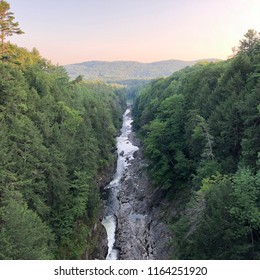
(134, 227)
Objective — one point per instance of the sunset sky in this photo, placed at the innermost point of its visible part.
(66, 31)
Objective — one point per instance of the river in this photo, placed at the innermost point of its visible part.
(134, 219)
(125, 151)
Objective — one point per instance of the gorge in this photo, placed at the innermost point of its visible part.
(133, 225)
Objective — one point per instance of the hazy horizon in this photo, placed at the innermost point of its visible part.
(149, 62)
(145, 31)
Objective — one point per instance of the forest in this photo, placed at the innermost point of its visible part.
(200, 129)
(57, 136)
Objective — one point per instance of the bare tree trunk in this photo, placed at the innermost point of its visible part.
(3, 46)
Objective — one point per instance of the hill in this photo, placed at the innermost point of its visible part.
(127, 70)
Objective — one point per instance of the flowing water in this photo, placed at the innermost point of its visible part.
(125, 151)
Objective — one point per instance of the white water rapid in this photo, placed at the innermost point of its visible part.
(125, 151)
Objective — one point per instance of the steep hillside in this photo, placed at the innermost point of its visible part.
(200, 129)
(57, 142)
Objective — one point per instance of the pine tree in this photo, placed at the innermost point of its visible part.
(7, 25)
(250, 41)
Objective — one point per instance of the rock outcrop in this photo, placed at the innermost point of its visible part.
(100, 252)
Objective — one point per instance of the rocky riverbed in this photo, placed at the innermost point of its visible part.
(142, 232)
(133, 214)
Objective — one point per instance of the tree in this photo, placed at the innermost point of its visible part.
(202, 124)
(7, 25)
(251, 38)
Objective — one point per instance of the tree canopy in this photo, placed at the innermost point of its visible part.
(201, 129)
(56, 137)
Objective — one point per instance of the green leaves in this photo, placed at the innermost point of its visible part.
(223, 223)
(24, 236)
(246, 193)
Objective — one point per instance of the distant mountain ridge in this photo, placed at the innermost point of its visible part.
(127, 70)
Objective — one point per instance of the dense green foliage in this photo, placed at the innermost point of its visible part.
(201, 131)
(56, 137)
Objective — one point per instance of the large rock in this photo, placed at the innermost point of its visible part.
(100, 252)
(97, 235)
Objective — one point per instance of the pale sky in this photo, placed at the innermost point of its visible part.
(72, 31)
